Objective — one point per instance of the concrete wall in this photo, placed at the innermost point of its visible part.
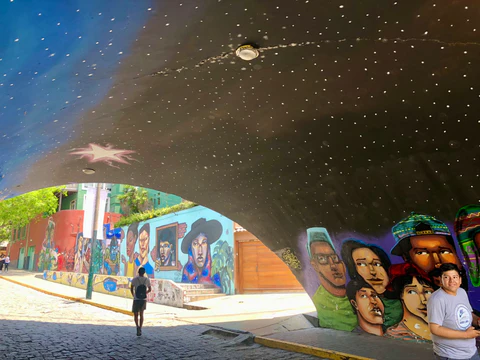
(164, 292)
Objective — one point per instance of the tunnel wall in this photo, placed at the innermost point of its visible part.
(381, 285)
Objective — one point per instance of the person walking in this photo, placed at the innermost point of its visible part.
(7, 262)
(451, 318)
(139, 288)
(2, 261)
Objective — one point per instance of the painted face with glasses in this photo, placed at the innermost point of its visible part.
(330, 268)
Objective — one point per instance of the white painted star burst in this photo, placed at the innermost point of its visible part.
(108, 154)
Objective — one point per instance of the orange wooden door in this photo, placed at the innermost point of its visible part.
(260, 270)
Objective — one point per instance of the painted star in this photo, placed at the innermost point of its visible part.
(108, 154)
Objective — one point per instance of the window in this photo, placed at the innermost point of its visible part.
(73, 205)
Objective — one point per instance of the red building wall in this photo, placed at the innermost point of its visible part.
(67, 224)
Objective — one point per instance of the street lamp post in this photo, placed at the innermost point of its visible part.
(94, 242)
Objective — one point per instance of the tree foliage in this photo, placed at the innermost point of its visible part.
(134, 200)
(17, 212)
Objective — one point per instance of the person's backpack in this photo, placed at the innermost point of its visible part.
(141, 292)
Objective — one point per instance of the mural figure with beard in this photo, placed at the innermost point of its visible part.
(414, 292)
(467, 229)
(426, 243)
(371, 263)
(330, 300)
(198, 269)
(367, 305)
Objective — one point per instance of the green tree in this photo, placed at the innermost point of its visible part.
(134, 200)
(17, 212)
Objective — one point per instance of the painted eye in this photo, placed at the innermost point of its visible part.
(412, 292)
(428, 292)
(377, 264)
(445, 252)
(363, 296)
(361, 264)
(421, 252)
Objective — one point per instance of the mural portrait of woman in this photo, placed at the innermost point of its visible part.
(371, 263)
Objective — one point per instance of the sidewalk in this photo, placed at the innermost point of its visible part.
(276, 320)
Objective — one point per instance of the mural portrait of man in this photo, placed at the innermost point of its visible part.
(197, 245)
(467, 229)
(414, 292)
(129, 264)
(367, 305)
(371, 263)
(330, 300)
(166, 247)
(425, 242)
(144, 245)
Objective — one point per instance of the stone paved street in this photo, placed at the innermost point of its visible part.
(38, 326)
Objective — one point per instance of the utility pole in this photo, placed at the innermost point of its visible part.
(94, 242)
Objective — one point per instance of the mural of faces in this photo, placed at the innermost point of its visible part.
(430, 251)
(370, 268)
(200, 249)
(144, 244)
(415, 296)
(131, 241)
(369, 306)
(327, 264)
(165, 249)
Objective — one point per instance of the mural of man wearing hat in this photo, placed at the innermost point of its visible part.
(197, 245)
(467, 229)
(426, 243)
(333, 307)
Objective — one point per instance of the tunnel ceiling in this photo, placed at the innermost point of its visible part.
(354, 114)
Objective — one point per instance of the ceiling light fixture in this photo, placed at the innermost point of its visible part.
(247, 52)
(88, 171)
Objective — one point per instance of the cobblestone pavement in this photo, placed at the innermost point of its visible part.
(34, 325)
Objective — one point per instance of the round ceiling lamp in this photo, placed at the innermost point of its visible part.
(247, 52)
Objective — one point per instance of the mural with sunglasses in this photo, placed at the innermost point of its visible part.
(382, 285)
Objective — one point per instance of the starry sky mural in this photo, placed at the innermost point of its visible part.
(352, 116)
(57, 61)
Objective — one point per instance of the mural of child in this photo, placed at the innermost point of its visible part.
(197, 245)
(132, 235)
(371, 263)
(426, 242)
(330, 300)
(467, 229)
(414, 292)
(367, 305)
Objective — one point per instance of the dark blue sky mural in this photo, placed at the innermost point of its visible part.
(57, 61)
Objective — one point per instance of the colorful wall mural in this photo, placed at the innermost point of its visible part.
(382, 285)
(164, 292)
(193, 246)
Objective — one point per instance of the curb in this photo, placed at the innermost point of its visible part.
(71, 298)
(306, 349)
(272, 343)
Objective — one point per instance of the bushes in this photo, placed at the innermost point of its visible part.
(124, 221)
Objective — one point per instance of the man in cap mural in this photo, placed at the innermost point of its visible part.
(467, 229)
(371, 263)
(367, 306)
(197, 245)
(333, 307)
(426, 243)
